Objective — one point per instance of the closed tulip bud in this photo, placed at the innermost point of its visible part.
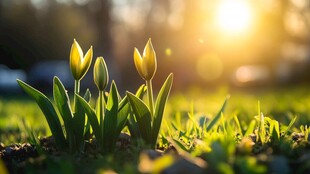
(101, 75)
(79, 64)
(147, 64)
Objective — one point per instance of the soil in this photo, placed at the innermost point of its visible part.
(19, 155)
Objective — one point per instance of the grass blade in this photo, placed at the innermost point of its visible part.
(218, 115)
(250, 128)
(290, 125)
(238, 124)
(262, 128)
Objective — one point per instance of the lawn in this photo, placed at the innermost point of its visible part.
(230, 145)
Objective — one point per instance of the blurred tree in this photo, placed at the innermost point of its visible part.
(184, 34)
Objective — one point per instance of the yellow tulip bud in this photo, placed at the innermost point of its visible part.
(79, 64)
(101, 75)
(147, 64)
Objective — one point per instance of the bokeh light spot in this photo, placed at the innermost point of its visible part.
(251, 73)
(168, 52)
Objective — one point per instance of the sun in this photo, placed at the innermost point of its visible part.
(233, 16)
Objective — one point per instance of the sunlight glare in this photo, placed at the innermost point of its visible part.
(233, 16)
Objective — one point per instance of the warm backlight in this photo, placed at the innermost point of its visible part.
(233, 16)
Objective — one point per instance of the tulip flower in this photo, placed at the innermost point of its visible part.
(79, 64)
(101, 75)
(101, 78)
(146, 67)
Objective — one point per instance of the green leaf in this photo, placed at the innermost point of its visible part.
(132, 125)
(63, 104)
(132, 122)
(122, 118)
(141, 91)
(79, 124)
(160, 107)
(110, 119)
(91, 116)
(218, 115)
(49, 112)
(123, 103)
(122, 115)
(87, 95)
(143, 117)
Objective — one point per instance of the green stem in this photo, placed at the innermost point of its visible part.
(76, 91)
(101, 111)
(150, 96)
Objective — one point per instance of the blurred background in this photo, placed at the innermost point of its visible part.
(240, 43)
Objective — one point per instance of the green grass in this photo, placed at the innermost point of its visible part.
(15, 112)
(281, 104)
(224, 146)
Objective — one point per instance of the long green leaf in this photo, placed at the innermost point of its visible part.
(143, 117)
(87, 97)
(91, 116)
(218, 115)
(63, 104)
(122, 115)
(49, 112)
(132, 122)
(160, 107)
(110, 119)
(79, 125)
(132, 125)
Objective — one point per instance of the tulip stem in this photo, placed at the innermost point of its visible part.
(76, 91)
(150, 96)
(101, 111)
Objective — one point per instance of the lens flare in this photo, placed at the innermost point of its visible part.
(233, 16)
